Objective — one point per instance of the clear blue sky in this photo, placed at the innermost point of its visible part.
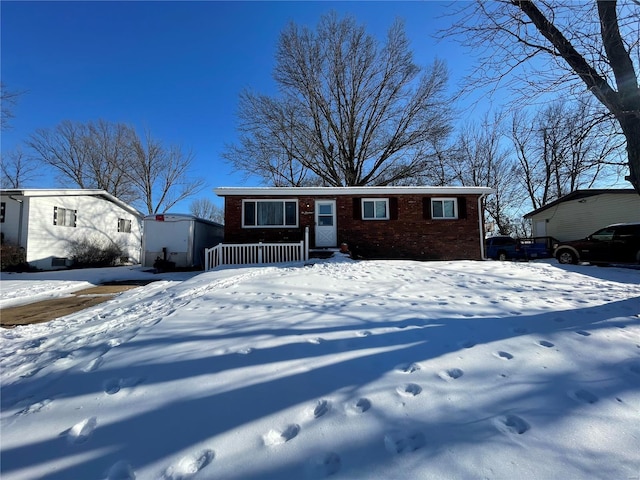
(173, 67)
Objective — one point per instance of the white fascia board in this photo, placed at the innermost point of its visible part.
(328, 191)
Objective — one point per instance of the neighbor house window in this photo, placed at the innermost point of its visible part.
(2, 207)
(64, 217)
(444, 208)
(270, 213)
(124, 225)
(375, 209)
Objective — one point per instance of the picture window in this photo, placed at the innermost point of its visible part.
(269, 213)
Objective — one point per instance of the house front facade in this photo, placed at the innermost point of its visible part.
(582, 212)
(45, 222)
(422, 223)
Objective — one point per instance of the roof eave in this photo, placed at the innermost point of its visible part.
(319, 191)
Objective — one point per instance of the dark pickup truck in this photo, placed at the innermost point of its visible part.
(509, 248)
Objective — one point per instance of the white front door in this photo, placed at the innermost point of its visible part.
(326, 232)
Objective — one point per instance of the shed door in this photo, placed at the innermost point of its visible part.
(326, 229)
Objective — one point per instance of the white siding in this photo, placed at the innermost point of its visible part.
(97, 218)
(576, 219)
(11, 225)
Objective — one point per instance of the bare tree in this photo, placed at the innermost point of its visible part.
(160, 175)
(479, 158)
(8, 100)
(111, 156)
(65, 149)
(205, 208)
(109, 146)
(17, 170)
(351, 112)
(561, 149)
(547, 44)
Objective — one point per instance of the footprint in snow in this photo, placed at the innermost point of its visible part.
(121, 471)
(188, 466)
(584, 333)
(451, 374)
(277, 437)
(34, 407)
(81, 431)
(584, 396)
(114, 385)
(35, 343)
(512, 424)
(321, 408)
(93, 364)
(504, 355)
(409, 389)
(323, 465)
(408, 367)
(364, 333)
(360, 406)
(545, 343)
(404, 441)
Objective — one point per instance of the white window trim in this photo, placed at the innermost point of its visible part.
(283, 200)
(385, 200)
(445, 199)
(124, 225)
(60, 218)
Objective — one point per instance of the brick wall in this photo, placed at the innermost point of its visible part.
(410, 233)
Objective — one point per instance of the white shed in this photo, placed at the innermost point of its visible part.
(44, 222)
(178, 238)
(582, 212)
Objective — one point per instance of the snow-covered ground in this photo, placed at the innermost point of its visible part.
(355, 370)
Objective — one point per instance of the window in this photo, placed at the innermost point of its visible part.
(124, 225)
(444, 208)
(64, 217)
(375, 209)
(270, 213)
(2, 207)
(604, 235)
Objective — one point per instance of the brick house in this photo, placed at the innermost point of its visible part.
(421, 223)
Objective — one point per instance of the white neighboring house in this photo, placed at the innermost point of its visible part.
(580, 213)
(44, 221)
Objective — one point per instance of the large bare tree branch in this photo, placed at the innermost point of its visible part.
(351, 112)
(594, 41)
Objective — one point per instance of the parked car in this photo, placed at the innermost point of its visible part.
(509, 248)
(618, 243)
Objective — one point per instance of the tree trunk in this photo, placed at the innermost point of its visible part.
(631, 128)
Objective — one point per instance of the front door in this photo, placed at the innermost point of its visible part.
(326, 232)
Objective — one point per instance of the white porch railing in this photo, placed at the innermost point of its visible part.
(256, 253)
